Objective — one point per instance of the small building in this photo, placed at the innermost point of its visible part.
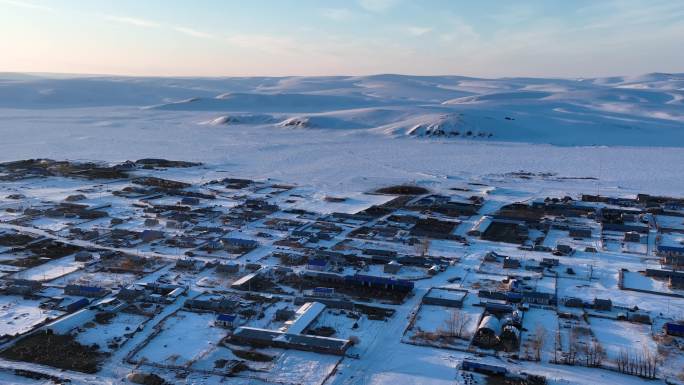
(574, 302)
(83, 256)
(185, 264)
(77, 305)
(538, 298)
(246, 282)
(480, 226)
(229, 268)
(190, 201)
(151, 222)
(632, 236)
(392, 267)
(284, 314)
(225, 320)
(564, 249)
(151, 235)
(219, 305)
(579, 232)
(317, 264)
(380, 283)
(550, 262)
(603, 304)
(130, 293)
(325, 292)
(264, 337)
(75, 198)
(174, 225)
(473, 366)
(511, 263)
(239, 243)
(85, 291)
(304, 316)
(510, 337)
(445, 297)
(674, 329)
(487, 334)
(23, 287)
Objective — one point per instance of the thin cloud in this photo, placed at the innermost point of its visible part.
(377, 5)
(24, 4)
(418, 31)
(193, 32)
(134, 21)
(337, 14)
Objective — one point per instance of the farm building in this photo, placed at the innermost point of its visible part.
(393, 267)
(487, 334)
(603, 304)
(264, 337)
(77, 305)
(674, 329)
(538, 298)
(84, 291)
(472, 366)
(239, 243)
(225, 320)
(373, 282)
(151, 235)
(303, 317)
(317, 264)
(230, 268)
(445, 297)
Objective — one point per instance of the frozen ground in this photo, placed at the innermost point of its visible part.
(354, 135)
(18, 315)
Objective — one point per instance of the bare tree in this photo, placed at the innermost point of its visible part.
(594, 354)
(423, 247)
(537, 341)
(622, 360)
(573, 342)
(455, 323)
(650, 362)
(556, 346)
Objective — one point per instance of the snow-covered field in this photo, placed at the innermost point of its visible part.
(113, 331)
(186, 338)
(622, 336)
(19, 315)
(353, 134)
(51, 270)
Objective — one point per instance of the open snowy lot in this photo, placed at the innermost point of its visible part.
(185, 338)
(51, 270)
(19, 315)
(111, 333)
(616, 336)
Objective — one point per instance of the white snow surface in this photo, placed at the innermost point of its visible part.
(350, 133)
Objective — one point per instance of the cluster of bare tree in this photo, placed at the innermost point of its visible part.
(455, 324)
(423, 247)
(643, 364)
(593, 354)
(583, 348)
(535, 345)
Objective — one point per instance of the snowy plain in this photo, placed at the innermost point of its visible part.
(352, 133)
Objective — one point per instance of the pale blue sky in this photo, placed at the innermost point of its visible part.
(306, 37)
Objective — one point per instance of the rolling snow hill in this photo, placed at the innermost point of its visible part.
(643, 110)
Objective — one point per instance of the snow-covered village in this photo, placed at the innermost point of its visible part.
(137, 272)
